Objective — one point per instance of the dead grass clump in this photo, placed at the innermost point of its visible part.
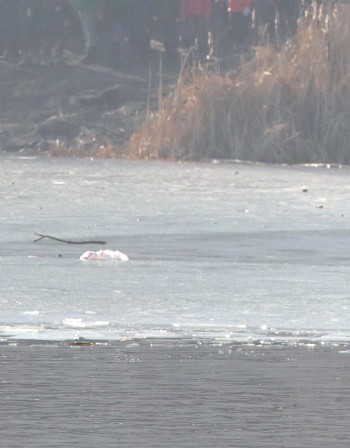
(88, 145)
(288, 105)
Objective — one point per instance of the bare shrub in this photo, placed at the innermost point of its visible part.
(286, 105)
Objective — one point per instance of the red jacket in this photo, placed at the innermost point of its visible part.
(238, 5)
(201, 8)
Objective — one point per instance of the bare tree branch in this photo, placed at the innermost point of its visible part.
(61, 240)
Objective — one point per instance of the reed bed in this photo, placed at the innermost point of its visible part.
(282, 105)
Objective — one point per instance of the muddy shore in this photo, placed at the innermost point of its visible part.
(78, 109)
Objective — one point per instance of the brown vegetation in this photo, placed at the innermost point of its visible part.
(286, 105)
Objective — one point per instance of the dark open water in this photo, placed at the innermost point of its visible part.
(172, 394)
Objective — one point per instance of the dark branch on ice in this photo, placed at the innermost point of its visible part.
(61, 240)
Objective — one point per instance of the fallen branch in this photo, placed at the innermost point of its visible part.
(42, 236)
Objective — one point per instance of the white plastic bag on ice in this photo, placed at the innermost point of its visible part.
(104, 254)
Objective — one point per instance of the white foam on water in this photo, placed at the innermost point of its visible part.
(155, 334)
(75, 329)
(21, 331)
(58, 182)
(339, 336)
(79, 323)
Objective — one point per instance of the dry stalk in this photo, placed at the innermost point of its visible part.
(290, 104)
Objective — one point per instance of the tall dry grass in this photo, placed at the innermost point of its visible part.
(289, 105)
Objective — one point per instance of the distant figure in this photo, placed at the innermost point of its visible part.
(139, 27)
(9, 33)
(115, 24)
(55, 22)
(31, 30)
(87, 11)
(265, 17)
(195, 18)
(288, 14)
(240, 16)
(166, 14)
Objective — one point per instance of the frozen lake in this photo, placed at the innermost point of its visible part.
(227, 252)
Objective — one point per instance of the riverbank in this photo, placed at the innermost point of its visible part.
(77, 109)
(286, 103)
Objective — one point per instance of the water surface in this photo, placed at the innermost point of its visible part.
(223, 252)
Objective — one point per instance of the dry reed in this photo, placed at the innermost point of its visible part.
(286, 105)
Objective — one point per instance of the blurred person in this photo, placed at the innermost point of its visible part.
(139, 27)
(9, 29)
(288, 12)
(55, 22)
(127, 22)
(31, 35)
(195, 17)
(42, 27)
(265, 18)
(166, 14)
(116, 17)
(87, 11)
(240, 16)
